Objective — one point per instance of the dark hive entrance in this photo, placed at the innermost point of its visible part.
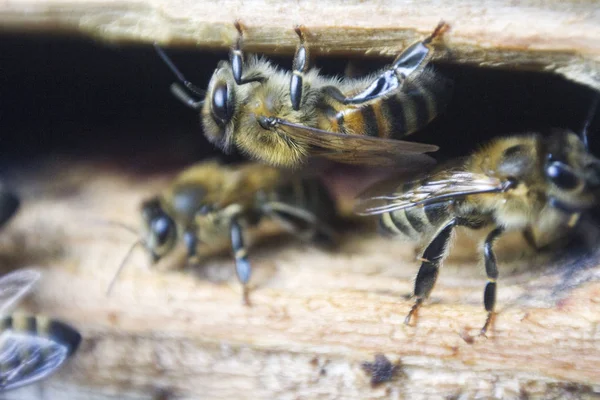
(84, 99)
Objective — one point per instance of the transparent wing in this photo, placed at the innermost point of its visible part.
(382, 198)
(358, 149)
(26, 358)
(16, 285)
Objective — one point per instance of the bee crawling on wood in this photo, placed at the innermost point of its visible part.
(537, 184)
(283, 117)
(211, 201)
(32, 347)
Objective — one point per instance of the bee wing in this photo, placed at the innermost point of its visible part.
(16, 285)
(359, 149)
(439, 187)
(27, 358)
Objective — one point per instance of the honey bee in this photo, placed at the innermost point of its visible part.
(281, 117)
(32, 347)
(210, 201)
(537, 184)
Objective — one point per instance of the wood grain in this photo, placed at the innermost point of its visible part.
(316, 316)
(548, 35)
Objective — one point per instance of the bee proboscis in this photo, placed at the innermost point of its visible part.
(210, 201)
(537, 184)
(282, 117)
(32, 347)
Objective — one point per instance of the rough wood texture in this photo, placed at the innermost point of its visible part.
(548, 35)
(316, 317)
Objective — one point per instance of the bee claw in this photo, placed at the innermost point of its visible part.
(246, 296)
(238, 26)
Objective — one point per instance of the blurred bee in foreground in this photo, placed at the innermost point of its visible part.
(540, 185)
(32, 347)
(282, 117)
(211, 201)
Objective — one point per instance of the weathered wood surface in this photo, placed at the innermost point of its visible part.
(316, 316)
(548, 35)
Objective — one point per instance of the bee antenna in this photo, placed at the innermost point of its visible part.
(588, 120)
(167, 60)
(127, 227)
(185, 98)
(122, 265)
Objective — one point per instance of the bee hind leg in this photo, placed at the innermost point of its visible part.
(407, 63)
(301, 223)
(427, 275)
(491, 270)
(417, 54)
(236, 57)
(240, 254)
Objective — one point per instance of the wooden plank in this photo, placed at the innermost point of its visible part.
(548, 35)
(316, 316)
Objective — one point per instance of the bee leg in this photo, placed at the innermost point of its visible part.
(410, 60)
(427, 275)
(300, 66)
(191, 241)
(530, 238)
(240, 254)
(237, 60)
(300, 222)
(491, 269)
(415, 55)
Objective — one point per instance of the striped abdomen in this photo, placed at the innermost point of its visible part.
(307, 194)
(410, 108)
(32, 347)
(417, 222)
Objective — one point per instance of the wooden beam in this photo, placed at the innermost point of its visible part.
(550, 36)
(316, 316)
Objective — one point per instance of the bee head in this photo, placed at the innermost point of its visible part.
(160, 229)
(220, 107)
(572, 172)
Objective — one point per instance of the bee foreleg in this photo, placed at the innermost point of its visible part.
(300, 66)
(240, 254)
(491, 269)
(427, 275)
(237, 60)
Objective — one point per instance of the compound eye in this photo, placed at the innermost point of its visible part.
(561, 175)
(220, 103)
(162, 228)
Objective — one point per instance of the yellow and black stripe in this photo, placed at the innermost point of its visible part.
(415, 222)
(407, 110)
(39, 325)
